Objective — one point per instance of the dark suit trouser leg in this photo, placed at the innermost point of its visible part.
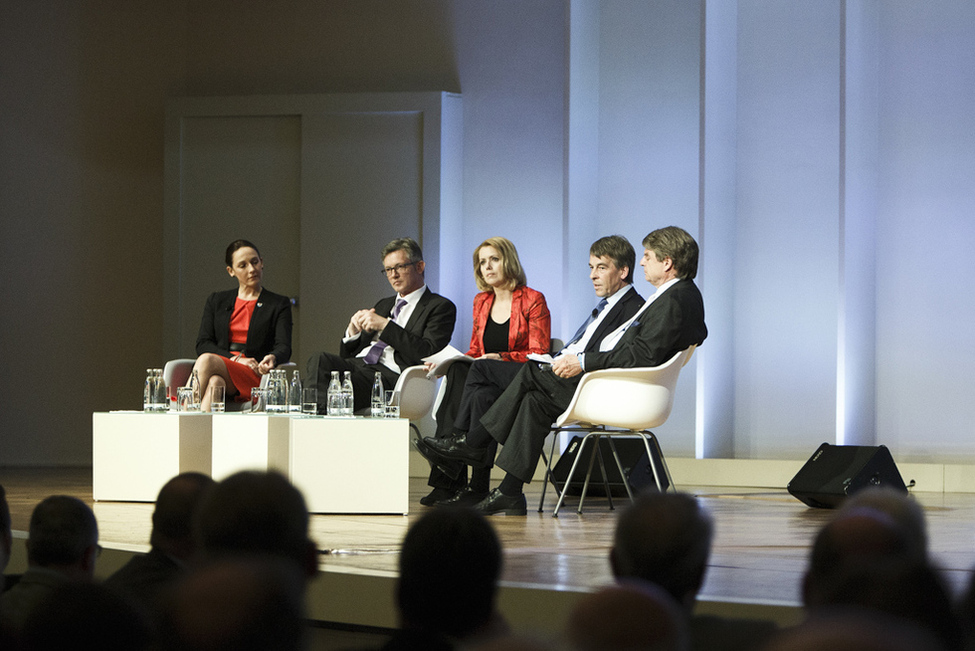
(453, 398)
(522, 417)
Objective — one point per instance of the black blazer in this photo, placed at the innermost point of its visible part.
(618, 315)
(673, 322)
(428, 330)
(269, 331)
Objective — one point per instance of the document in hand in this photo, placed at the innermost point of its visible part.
(442, 360)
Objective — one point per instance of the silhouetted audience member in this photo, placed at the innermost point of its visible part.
(62, 546)
(852, 630)
(85, 616)
(631, 616)
(448, 576)
(855, 536)
(146, 575)
(899, 506)
(665, 538)
(243, 603)
(966, 614)
(256, 513)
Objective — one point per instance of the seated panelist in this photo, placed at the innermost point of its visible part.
(611, 263)
(511, 320)
(396, 333)
(245, 332)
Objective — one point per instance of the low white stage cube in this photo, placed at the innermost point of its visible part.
(249, 442)
(351, 465)
(134, 453)
(341, 465)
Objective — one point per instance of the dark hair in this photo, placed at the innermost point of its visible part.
(618, 249)
(407, 244)
(178, 499)
(677, 244)
(253, 512)
(449, 552)
(62, 528)
(238, 244)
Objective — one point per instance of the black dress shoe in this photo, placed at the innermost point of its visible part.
(457, 449)
(450, 468)
(498, 502)
(464, 497)
(437, 495)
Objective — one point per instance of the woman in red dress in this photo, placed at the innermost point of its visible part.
(245, 332)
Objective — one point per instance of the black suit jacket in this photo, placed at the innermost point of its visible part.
(429, 329)
(269, 331)
(670, 324)
(620, 313)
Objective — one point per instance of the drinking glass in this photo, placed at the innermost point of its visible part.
(184, 399)
(258, 400)
(217, 403)
(309, 401)
(392, 404)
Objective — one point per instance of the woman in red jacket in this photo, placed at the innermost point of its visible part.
(511, 321)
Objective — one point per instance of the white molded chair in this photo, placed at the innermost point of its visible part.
(417, 394)
(177, 372)
(628, 400)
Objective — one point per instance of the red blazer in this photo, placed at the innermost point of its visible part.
(529, 330)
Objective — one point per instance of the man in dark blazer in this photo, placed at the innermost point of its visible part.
(395, 334)
(671, 320)
(611, 264)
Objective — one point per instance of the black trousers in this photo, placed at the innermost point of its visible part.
(320, 369)
(470, 392)
(522, 417)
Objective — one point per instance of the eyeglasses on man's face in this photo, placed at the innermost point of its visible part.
(397, 269)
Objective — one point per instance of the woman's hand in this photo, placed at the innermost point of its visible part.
(249, 363)
(490, 356)
(269, 362)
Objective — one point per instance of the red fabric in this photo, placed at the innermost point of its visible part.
(529, 330)
(240, 320)
(243, 378)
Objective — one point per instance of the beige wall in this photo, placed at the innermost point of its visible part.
(84, 86)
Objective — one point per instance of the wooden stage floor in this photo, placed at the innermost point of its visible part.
(761, 542)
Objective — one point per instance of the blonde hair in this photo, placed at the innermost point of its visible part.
(513, 273)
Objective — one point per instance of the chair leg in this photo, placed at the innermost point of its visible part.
(619, 466)
(602, 469)
(653, 454)
(663, 461)
(568, 480)
(585, 485)
(548, 470)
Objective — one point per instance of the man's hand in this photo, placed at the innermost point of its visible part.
(370, 321)
(567, 366)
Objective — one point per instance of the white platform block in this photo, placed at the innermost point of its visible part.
(249, 442)
(134, 453)
(351, 465)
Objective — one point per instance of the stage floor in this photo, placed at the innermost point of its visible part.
(761, 542)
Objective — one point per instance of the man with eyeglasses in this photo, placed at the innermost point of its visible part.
(398, 332)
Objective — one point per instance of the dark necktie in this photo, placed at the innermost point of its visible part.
(592, 317)
(377, 348)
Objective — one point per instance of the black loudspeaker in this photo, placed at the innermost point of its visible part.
(633, 457)
(834, 472)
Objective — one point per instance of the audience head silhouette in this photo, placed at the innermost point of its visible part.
(664, 538)
(63, 536)
(630, 616)
(257, 513)
(173, 516)
(449, 568)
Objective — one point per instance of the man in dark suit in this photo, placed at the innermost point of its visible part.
(145, 577)
(671, 320)
(395, 334)
(611, 263)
